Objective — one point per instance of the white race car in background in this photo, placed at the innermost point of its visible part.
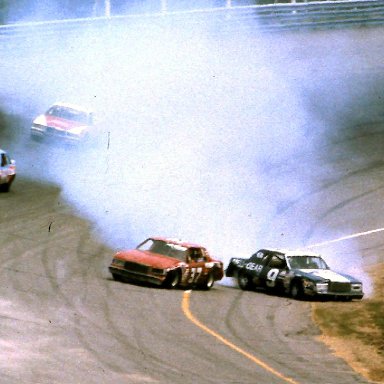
(64, 122)
(7, 171)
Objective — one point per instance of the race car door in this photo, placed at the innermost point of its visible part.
(272, 273)
(255, 265)
(196, 266)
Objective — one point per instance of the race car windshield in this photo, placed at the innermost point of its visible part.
(69, 114)
(163, 248)
(4, 160)
(306, 262)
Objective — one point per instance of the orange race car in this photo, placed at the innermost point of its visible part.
(167, 262)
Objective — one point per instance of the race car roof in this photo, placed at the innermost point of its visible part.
(177, 242)
(72, 106)
(289, 252)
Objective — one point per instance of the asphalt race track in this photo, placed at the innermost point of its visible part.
(64, 320)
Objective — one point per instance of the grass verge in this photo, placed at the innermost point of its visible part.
(354, 330)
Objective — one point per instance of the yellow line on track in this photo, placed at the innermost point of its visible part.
(189, 315)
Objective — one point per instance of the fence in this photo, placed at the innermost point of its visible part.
(267, 17)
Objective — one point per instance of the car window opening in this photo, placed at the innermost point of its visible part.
(306, 262)
(162, 248)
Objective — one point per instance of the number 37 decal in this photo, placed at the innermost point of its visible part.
(195, 274)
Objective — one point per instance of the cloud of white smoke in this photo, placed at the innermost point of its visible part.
(202, 137)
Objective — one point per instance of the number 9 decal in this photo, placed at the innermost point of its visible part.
(271, 277)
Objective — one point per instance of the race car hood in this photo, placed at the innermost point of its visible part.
(58, 122)
(148, 258)
(325, 274)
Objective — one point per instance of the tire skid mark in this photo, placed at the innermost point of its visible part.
(361, 135)
(269, 320)
(375, 165)
(168, 335)
(336, 207)
(80, 317)
(235, 311)
(61, 296)
(254, 359)
(142, 356)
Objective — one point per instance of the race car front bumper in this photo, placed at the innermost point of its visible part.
(137, 276)
(40, 132)
(333, 289)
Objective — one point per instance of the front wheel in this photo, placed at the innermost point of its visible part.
(296, 290)
(5, 187)
(117, 277)
(244, 281)
(172, 280)
(208, 284)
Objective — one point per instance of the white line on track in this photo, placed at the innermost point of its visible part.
(360, 234)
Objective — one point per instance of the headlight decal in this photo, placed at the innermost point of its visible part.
(322, 287)
(356, 287)
(118, 262)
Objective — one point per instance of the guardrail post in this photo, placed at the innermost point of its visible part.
(163, 6)
(108, 9)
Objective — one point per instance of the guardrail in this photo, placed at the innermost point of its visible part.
(269, 17)
(321, 14)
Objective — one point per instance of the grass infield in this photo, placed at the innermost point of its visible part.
(354, 330)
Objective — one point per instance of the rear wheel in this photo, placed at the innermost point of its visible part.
(172, 280)
(244, 281)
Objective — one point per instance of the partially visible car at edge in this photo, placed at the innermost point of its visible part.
(297, 273)
(7, 171)
(65, 122)
(169, 263)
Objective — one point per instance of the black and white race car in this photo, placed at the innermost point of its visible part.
(296, 273)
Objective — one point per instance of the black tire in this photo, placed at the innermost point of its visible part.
(244, 281)
(296, 290)
(172, 280)
(5, 187)
(208, 283)
(117, 277)
(229, 272)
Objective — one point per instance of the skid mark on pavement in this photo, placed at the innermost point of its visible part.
(189, 315)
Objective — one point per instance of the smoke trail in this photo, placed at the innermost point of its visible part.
(190, 126)
(201, 137)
